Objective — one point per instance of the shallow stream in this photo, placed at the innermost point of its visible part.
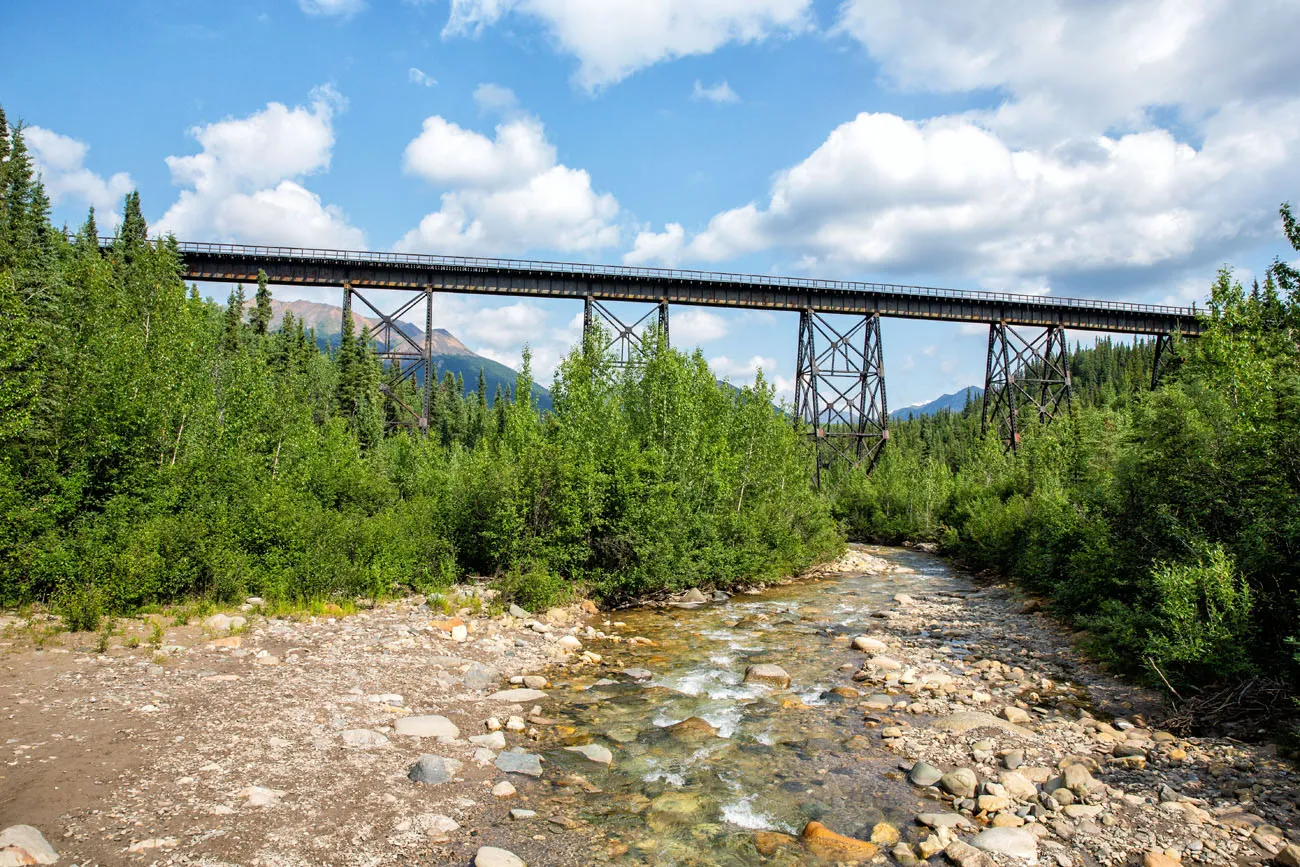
(779, 758)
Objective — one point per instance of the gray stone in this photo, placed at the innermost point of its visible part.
(1016, 715)
(964, 721)
(518, 761)
(924, 774)
(638, 674)
(693, 596)
(879, 701)
(433, 770)
(767, 673)
(1016, 842)
(869, 645)
(1077, 779)
(1013, 759)
(493, 740)
(479, 676)
(516, 611)
(960, 783)
(966, 855)
(535, 681)
(595, 752)
(518, 696)
(491, 856)
(1017, 785)
(944, 820)
(363, 738)
(519, 813)
(1081, 811)
(23, 844)
(427, 727)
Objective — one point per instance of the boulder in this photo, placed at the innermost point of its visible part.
(767, 673)
(1016, 842)
(692, 728)
(23, 844)
(594, 752)
(516, 611)
(492, 740)
(427, 727)
(363, 738)
(960, 783)
(517, 761)
(868, 644)
(517, 696)
(491, 856)
(479, 676)
(224, 622)
(1289, 856)
(504, 789)
(924, 774)
(433, 770)
(825, 843)
(1016, 715)
(966, 855)
(964, 721)
(768, 842)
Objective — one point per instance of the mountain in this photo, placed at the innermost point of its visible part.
(449, 354)
(955, 402)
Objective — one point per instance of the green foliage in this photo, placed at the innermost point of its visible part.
(533, 587)
(81, 607)
(1204, 615)
(156, 448)
(1164, 522)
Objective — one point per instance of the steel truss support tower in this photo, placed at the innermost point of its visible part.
(400, 354)
(839, 389)
(1024, 373)
(627, 342)
(1163, 345)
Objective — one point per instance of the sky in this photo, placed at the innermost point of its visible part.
(1120, 149)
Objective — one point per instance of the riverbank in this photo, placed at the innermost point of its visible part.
(295, 742)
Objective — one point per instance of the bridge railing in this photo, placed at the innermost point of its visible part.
(472, 263)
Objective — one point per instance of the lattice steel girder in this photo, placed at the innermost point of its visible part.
(400, 354)
(1024, 373)
(230, 263)
(629, 342)
(839, 388)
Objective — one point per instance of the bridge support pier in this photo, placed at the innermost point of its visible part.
(1020, 373)
(400, 354)
(839, 389)
(1160, 362)
(627, 342)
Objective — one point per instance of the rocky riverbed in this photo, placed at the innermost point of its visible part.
(883, 709)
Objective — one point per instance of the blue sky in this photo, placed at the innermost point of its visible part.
(1109, 149)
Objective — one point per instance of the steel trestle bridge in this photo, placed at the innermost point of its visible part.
(839, 385)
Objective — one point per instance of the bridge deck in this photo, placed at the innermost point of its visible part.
(294, 265)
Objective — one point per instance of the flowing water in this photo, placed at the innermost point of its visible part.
(780, 757)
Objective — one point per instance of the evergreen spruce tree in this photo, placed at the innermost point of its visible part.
(346, 393)
(261, 316)
(233, 333)
(88, 235)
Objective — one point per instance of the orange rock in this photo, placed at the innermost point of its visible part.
(825, 843)
(767, 842)
(228, 641)
(588, 607)
(1156, 858)
(692, 728)
(447, 625)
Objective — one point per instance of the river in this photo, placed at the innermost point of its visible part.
(776, 758)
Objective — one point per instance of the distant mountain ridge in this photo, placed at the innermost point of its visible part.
(449, 354)
(954, 402)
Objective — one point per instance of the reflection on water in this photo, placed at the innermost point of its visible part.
(763, 758)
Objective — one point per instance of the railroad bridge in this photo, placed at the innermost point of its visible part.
(840, 377)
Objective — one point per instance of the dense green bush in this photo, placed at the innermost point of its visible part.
(1163, 522)
(155, 446)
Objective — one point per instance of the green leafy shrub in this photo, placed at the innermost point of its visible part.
(1201, 625)
(81, 606)
(533, 587)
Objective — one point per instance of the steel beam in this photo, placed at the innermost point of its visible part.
(840, 389)
(1160, 362)
(628, 343)
(400, 355)
(232, 263)
(1024, 373)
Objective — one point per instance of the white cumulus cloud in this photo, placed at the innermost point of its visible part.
(718, 94)
(61, 163)
(694, 325)
(332, 8)
(420, 77)
(505, 194)
(245, 185)
(614, 38)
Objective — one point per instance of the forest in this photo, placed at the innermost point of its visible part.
(1164, 523)
(156, 446)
